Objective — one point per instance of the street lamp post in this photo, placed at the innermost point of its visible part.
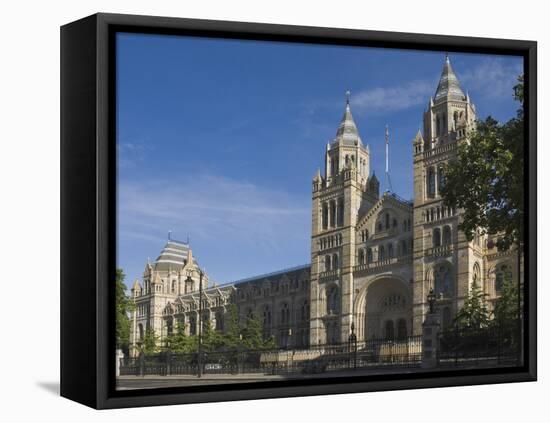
(199, 358)
(352, 347)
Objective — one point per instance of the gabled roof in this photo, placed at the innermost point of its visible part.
(448, 87)
(387, 198)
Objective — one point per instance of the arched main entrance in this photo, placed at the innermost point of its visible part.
(384, 309)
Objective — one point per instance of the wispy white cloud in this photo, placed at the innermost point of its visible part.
(214, 209)
(391, 99)
(492, 78)
(131, 154)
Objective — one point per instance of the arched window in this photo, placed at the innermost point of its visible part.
(503, 274)
(327, 263)
(169, 326)
(381, 253)
(389, 331)
(193, 325)
(404, 247)
(333, 300)
(332, 213)
(325, 216)
(431, 182)
(140, 329)
(361, 257)
(401, 329)
(390, 251)
(219, 321)
(446, 318)
(304, 311)
(285, 314)
(340, 212)
(394, 223)
(476, 276)
(266, 317)
(436, 237)
(443, 281)
(440, 178)
(447, 238)
(387, 220)
(335, 264)
(369, 255)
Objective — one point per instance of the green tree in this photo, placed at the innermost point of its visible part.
(252, 333)
(233, 337)
(486, 180)
(474, 313)
(212, 339)
(505, 312)
(179, 342)
(149, 344)
(124, 306)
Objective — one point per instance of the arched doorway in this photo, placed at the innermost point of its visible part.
(386, 310)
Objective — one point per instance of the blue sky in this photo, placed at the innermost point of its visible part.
(219, 140)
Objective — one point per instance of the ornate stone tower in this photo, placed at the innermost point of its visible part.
(337, 198)
(175, 272)
(443, 258)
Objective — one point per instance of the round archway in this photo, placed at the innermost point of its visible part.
(385, 309)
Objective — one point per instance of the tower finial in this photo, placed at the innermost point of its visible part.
(169, 235)
(348, 96)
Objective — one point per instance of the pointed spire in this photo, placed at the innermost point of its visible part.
(347, 133)
(418, 138)
(136, 286)
(449, 86)
(317, 177)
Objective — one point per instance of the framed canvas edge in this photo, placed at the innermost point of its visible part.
(104, 241)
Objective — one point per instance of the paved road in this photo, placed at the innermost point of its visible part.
(147, 382)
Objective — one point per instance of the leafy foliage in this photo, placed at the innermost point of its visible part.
(149, 344)
(179, 342)
(506, 307)
(487, 178)
(124, 306)
(474, 314)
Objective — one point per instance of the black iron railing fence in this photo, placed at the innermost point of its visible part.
(491, 346)
(372, 353)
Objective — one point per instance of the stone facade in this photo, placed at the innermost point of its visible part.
(374, 257)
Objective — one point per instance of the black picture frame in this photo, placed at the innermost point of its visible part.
(88, 218)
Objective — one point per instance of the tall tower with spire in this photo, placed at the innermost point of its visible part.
(443, 259)
(337, 197)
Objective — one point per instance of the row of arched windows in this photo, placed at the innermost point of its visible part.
(435, 180)
(436, 213)
(330, 241)
(331, 262)
(391, 333)
(440, 238)
(365, 256)
(332, 213)
(385, 222)
(440, 124)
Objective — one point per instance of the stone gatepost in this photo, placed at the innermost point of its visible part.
(119, 356)
(430, 333)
